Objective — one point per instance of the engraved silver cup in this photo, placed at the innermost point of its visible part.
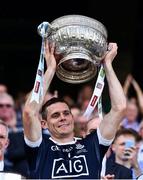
(81, 43)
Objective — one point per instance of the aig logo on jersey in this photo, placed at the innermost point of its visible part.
(74, 167)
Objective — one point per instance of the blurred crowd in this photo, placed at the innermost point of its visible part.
(124, 155)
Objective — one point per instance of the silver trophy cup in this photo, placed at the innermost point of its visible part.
(81, 43)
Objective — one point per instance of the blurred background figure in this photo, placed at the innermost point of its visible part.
(139, 95)
(75, 110)
(15, 154)
(7, 111)
(18, 106)
(85, 93)
(69, 100)
(84, 96)
(83, 127)
(80, 127)
(93, 124)
(125, 152)
(137, 98)
(131, 118)
(127, 84)
(134, 110)
(3, 88)
(49, 95)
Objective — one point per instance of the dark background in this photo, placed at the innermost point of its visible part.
(20, 43)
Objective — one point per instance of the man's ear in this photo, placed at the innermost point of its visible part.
(113, 147)
(44, 124)
(7, 143)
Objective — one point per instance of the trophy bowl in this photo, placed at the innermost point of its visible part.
(80, 46)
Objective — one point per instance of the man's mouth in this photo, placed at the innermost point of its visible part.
(63, 125)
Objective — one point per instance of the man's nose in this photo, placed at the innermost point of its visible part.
(62, 116)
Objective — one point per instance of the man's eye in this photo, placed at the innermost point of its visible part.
(2, 137)
(122, 144)
(66, 113)
(56, 115)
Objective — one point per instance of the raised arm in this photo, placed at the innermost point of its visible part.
(139, 94)
(31, 116)
(127, 84)
(111, 120)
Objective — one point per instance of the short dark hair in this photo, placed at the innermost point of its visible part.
(48, 103)
(127, 131)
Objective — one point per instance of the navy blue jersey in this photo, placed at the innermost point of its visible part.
(78, 160)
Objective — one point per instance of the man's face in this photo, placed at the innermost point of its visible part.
(60, 120)
(6, 109)
(132, 112)
(3, 140)
(119, 146)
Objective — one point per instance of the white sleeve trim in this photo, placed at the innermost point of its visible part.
(33, 144)
(103, 169)
(103, 141)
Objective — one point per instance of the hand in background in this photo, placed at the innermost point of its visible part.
(108, 177)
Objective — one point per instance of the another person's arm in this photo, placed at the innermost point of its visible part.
(31, 116)
(139, 94)
(112, 120)
(127, 84)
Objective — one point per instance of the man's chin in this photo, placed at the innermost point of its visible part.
(65, 133)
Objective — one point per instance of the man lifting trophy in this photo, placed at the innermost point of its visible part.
(80, 46)
(73, 47)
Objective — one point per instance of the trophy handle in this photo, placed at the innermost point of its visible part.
(44, 29)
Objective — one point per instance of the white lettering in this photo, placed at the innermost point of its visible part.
(70, 166)
(77, 166)
(62, 168)
(55, 148)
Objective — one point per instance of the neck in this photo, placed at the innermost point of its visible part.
(130, 122)
(1, 157)
(125, 162)
(63, 139)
